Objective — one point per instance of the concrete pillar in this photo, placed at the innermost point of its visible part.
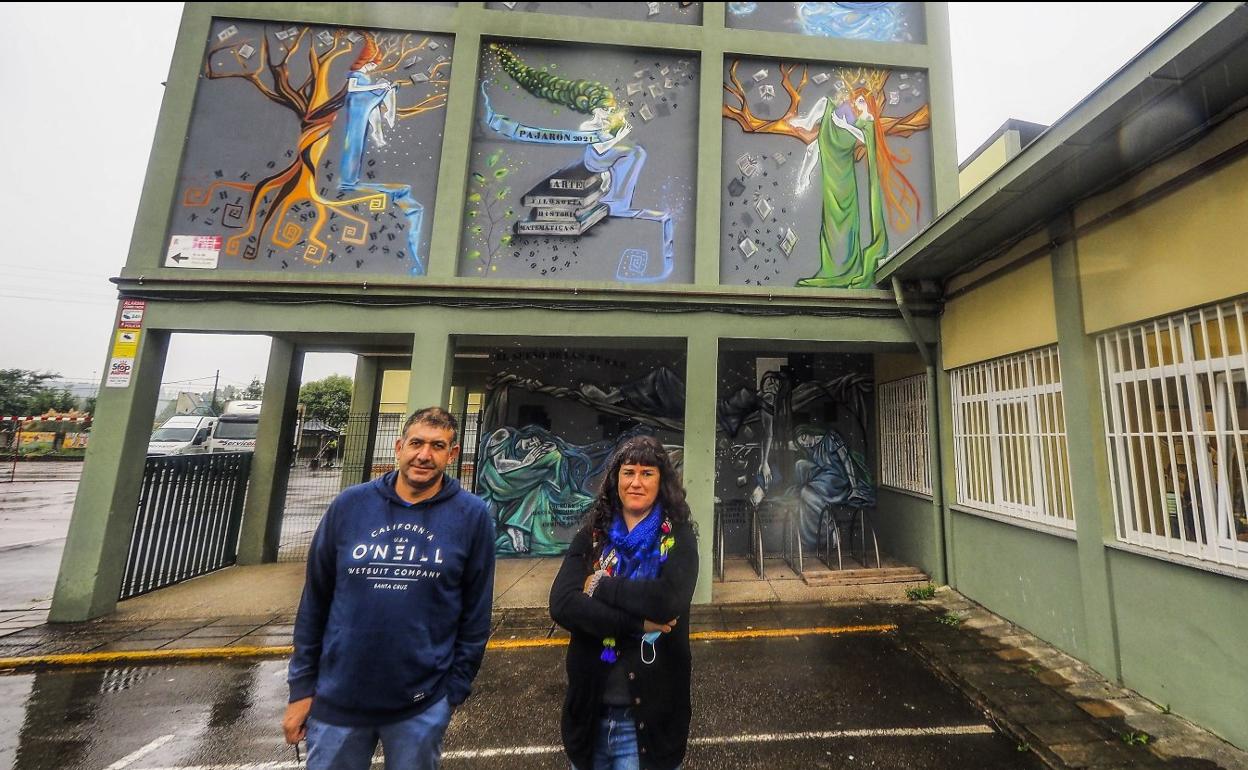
(94, 559)
(432, 352)
(701, 392)
(1085, 443)
(358, 442)
(270, 466)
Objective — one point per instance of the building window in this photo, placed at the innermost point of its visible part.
(1009, 433)
(1176, 418)
(903, 435)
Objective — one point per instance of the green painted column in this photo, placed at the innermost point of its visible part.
(94, 559)
(701, 389)
(1085, 443)
(270, 466)
(432, 352)
(357, 449)
(948, 476)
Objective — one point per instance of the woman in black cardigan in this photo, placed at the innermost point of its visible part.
(624, 591)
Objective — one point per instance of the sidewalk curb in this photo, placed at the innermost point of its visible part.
(74, 660)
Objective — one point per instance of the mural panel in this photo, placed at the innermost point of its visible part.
(551, 420)
(583, 165)
(314, 148)
(792, 440)
(878, 22)
(670, 13)
(827, 170)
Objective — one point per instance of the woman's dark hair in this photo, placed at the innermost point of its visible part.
(639, 450)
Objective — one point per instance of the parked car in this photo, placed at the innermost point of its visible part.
(182, 435)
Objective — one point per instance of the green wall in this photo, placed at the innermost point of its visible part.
(1029, 577)
(1183, 637)
(903, 524)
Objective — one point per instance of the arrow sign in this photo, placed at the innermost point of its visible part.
(198, 252)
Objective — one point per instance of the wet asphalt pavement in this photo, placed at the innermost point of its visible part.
(809, 702)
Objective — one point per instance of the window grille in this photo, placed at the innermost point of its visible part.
(1009, 433)
(1176, 420)
(903, 440)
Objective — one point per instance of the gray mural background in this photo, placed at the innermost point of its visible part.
(502, 171)
(878, 21)
(238, 136)
(777, 159)
(668, 13)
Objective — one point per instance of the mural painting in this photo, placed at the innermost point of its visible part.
(827, 169)
(793, 431)
(669, 13)
(874, 21)
(547, 434)
(315, 148)
(583, 164)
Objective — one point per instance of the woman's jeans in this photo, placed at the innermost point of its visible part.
(413, 744)
(615, 741)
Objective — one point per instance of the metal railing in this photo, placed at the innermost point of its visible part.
(190, 510)
(902, 409)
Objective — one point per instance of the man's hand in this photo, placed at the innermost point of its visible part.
(649, 626)
(295, 722)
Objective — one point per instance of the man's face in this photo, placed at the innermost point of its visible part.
(422, 455)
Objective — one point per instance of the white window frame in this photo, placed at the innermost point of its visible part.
(1009, 435)
(901, 417)
(1199, 374)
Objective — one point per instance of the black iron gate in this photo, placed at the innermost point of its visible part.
(190, 510)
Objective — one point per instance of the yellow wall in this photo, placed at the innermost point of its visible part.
(986, 164)
(1010, 312)
(897, 366)
(1186, 249)
(394, 384)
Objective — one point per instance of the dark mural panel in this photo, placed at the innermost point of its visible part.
(669, 13)
(315, 148)
(878, 22)
(791, 440)
(827, 169)
(583, 164)
(550, 421)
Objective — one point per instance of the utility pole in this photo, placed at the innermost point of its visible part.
(215, 380)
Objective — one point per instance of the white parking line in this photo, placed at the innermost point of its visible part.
(133, 757)
(716, 740)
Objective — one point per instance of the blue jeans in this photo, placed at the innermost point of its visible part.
(413, 744)
(615, 741)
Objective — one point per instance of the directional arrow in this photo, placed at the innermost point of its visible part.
(179, 258)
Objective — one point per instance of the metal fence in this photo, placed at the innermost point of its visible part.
(314, 482)
(190, 509)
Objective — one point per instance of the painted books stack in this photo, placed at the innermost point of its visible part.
(565, 203)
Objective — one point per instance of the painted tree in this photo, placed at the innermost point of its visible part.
(315, 100)
(839, 131)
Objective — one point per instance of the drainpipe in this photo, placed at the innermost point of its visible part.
(933, 436)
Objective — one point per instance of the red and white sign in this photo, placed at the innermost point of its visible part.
(119, 371)
(197, 252)
(132, 313)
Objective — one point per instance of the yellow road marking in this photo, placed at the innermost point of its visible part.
(217, 653)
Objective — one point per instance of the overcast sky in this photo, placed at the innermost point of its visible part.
(82, 106)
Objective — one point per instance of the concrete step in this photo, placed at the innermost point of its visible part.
(858, 577)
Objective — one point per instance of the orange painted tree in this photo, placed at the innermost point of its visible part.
(315, 101)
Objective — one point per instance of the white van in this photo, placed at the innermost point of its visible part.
(182, 435)
(236, 428)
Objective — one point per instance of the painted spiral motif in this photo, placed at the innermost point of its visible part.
(581, 95)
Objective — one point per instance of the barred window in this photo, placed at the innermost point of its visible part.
(1009, 433)
(1176, 419)
(902, 416)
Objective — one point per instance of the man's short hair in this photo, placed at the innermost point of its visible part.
(434, 417)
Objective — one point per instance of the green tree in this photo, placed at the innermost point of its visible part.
(19, 388)
(53, 400)
(255, 391)
(88, 404)
(328, 400)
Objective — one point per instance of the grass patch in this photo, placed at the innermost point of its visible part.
(1135, 738)
(921, 593)
(949, 619)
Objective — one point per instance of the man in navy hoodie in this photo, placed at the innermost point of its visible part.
(395, 611)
